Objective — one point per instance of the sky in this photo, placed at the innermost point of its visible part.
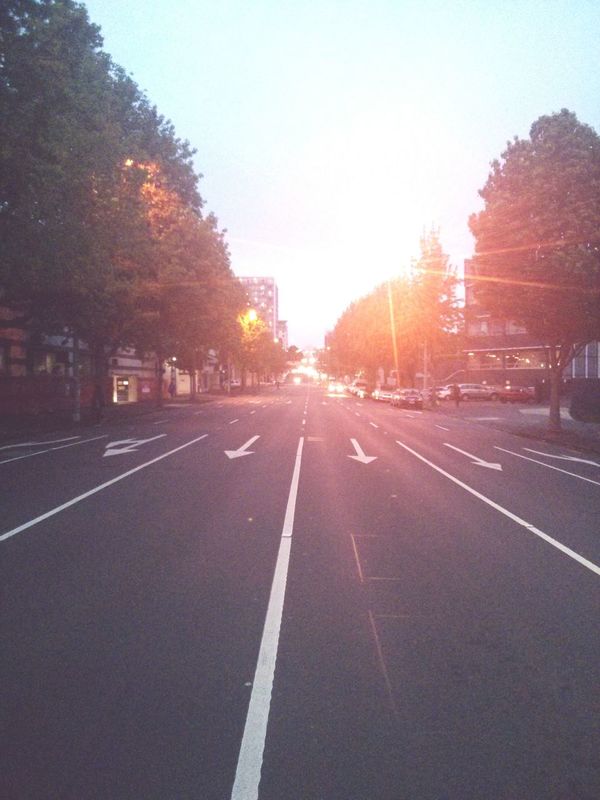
(331, 133)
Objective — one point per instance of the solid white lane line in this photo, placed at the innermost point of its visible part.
(548, 466)
(50, 449)
(96, 489)
(373, 424)
(247, 774)
(531, 528)
(38, 444)
(442, 427)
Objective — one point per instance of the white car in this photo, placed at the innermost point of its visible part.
(383, 393)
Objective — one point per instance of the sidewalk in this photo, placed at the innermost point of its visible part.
(528, 421)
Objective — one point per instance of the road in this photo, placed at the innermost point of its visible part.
(299, 596)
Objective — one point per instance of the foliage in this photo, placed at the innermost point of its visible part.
(388, 327)
(101, 226)
(538, 240)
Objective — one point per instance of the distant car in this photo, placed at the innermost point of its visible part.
(478, 391)
(517, 394)
(407, 398)
(335, 387)
(384, 393)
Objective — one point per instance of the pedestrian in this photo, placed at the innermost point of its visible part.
(172, 388)
(456, 394)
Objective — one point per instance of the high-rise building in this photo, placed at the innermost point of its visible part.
(282, 333)
(263, 298)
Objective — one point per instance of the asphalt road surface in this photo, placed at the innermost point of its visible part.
(298, 596)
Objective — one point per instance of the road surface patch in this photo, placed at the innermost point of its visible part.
(96, 489)
(247, 775)
(527, 525)
(549, 466)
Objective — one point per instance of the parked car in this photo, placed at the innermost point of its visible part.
(478, 391)
(407, 398)
(358, 387)
(517, 394)
(384, 393)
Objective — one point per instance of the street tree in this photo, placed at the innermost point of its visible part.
(537, 239)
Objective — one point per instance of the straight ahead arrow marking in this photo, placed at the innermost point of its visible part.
(476, 460)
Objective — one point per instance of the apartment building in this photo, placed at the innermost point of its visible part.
(264, 299)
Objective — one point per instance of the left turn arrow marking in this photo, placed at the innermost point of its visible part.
(127, 445)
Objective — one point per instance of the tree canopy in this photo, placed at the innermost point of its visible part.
(537, 256)
(102, 233)
(389, 327)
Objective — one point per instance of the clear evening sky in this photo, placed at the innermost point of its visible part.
(330, 133)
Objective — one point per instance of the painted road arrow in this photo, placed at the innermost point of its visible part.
(563, 458)
(360, 456)
(476, 460)
(242, 451)
(127, 445)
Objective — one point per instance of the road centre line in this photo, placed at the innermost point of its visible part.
(96, 489)
(548, 466)
(247, 774)
(527, 525)
(50, 449)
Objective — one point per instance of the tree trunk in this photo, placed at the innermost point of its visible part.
(193, 376)
(159, 378)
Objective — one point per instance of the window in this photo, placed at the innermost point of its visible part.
(515, 327)
(490, 361)
(525, 359)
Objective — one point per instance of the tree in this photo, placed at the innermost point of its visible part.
(389, 327)
(101, 227)
(538, 239)
(435, 315)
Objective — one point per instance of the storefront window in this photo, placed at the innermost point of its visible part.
(490, 361)
(525, 359)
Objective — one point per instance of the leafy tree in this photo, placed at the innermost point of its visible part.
(101, 229)
(538, 239)
(388, 327)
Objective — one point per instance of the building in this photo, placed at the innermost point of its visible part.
(500, 351)
(263, 298)
(282, 333)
